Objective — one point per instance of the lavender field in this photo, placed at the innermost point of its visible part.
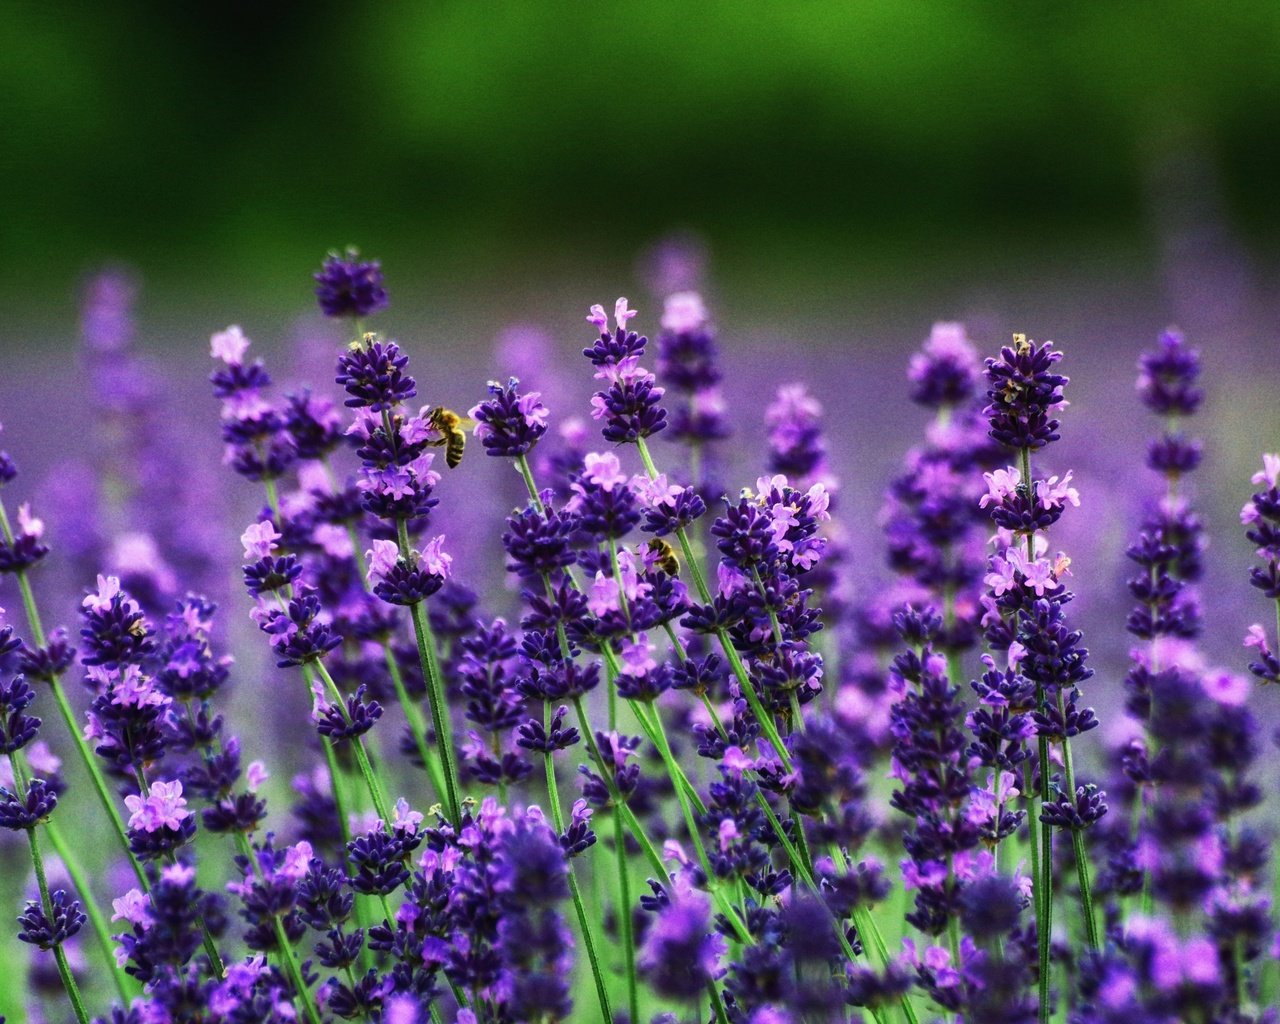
(641, 664)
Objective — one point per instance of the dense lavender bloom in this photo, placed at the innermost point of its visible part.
(945, 372)
(1261, 517)
(346, 285)
(373, 376)
(740, 768)
(929, 760)
(1168, 375)
(257, 444)
(628, 407)
(681, 954)
(17, 728)
(26, 548)
(509, 423)
(796, 446)
(297, 634)
(45, 929)
(533, 939)
(1023, 394)
(406, 581)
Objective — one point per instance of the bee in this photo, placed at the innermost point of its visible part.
(452, 429)
(666, 556)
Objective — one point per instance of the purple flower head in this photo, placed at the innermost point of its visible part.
(1024, 393)
(163, 808)
(796, 446)
(346, 285)
(402, 581)
(1168, 375)
(945, 372)
(26, 548)
(44, 929)
(686, 345)
(372, 373)
(17, 728)
(681, 953)
(509, 423)
(229, 346)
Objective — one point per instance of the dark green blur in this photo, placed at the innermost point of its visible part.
(218, 148)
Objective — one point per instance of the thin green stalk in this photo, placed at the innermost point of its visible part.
(437, 702)
(1044, 887)
(717, 1003)
(288, 955)
(1078, 847)
(436, 698)
(584, 922)
(417, 728)
(624, 919)
(357, 746)
(39, 637)
(125, 986)
(59, 956)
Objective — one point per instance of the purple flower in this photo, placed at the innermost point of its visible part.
(509, 423)
(1024, 393)
(346, 285)
(163, 808)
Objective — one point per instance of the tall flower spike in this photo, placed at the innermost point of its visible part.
(348, 286)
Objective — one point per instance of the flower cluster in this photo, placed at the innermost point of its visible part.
(678, 767)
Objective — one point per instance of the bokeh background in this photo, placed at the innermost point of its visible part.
(840, 175)
(836, 177)
(843, 174)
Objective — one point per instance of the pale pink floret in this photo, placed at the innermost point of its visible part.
(621, 314)
(655, 492)
(435, 559)
(255, 775)
(382, 559)
(297, 861)
(531, 408)
(29, 525)
(604, 470)
(1001, 579)
(229, 345)
(1256, 637)
(108, 588)
(1038, 575)
(602, 595)
(1226, 687)
(683, 312)
(164, 807)
(1053, 492)
(599, 317)
(637, 657)
(793, 402)
(133, 907)
(1001, 483)
(1270, 471)
(259, 540)
(406, 819)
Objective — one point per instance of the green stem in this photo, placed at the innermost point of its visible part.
(436, 698)
(584, 922)
(437, 702)
(624, 919)
(125, 986)
(1077, 843)
(357, 746)
(68, 716)
(64, 969)
(1044, 887)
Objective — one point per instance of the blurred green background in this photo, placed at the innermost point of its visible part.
(496, 148)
